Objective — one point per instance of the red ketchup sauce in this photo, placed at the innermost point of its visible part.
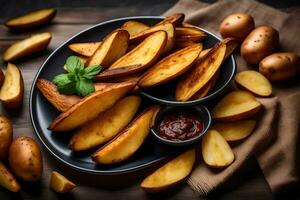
(180, 127)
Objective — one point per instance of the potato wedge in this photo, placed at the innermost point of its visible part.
(60, 184)
(201, 74)
(134, 27)
(128, 141)
(234, 131)
(7, 180)
(180, 44)
(90, 107)
(189, 34)
(12, 90)
(171, 173)
(145, 54)
(175, 19)
(6, 136)
(111, 49)
(31, 20)
(28, 46)
(85, 49)
(203, 53)
(254, 82)
(106, 125)
(235, 106)
(171, 66)
(118, 72)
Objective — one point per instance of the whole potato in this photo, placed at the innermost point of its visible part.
(237, 25)
(25, 159)
(260, 43)
(280, 66)
(6, 136)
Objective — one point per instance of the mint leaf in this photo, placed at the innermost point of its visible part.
(91, 71)
(73, 64)
(84, 86)
(64, 84)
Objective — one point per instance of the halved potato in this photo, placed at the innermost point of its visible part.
(106, 125)
(128, 141)
(235, 106)
(118, 72)
(189, 34)
(254, 82)
(28, 46)
(12, 90)
(85, 49)
(216, 152)
(31, 20)
(90, 107)
(171, 66)
(134, 27)
(233, 131)
(202, 73)
(60, 184)
(7, 180)
(111, 49)
(175, 19)
(171, 173)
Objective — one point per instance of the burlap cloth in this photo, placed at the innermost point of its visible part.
(275, 142)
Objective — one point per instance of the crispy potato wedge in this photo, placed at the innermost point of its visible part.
(234, 131)
(128, 141)
(106, 125)
(203, 53)
(179, 44)
(171, 173)
(85, 49)
(90, 107)
(60, 184)
(201, 74)
(31, 20)
(175, 19)
(235, 106)
(254, 82)
(12, 90)
(118, 72)
(189, 34)
(134, 27)
(28, 46)
(171, 66)
(111, 49)
(7, 180)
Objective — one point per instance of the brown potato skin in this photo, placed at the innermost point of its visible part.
(6, 136)
(280, 66)
(7, 179)
(25, 159)
(260, 43)
(2, 77)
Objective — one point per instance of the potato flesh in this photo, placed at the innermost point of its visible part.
(11, 86)
(85, 49)
(60, 184)
(134, 27)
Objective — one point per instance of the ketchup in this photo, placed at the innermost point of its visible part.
(180, 126)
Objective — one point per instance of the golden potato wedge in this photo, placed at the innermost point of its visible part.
(7, 180)
(128, 141)
(106, 125)
(216, 152)
(175, 19)
(90, 107)
(171, 66)
(60, 184)
(189, 34)
(171, 173)
(28, 46)
(179, 44)
(254, 82)
(85, 49)
(6, 136)
(12, 90)
(118, 72)
(31, 20)
(202, 73)
(234, 131)
(134, 27)
(235, 106)
(111, 49)
(203, 53)
(145, 54)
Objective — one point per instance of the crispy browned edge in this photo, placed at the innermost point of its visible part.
(118, 72)
(175, 19)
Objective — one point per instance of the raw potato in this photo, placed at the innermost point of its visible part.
(118, 72)
(171, 66)
(128, 141)
(235, 106)
(237, 25)
(280, 66)
(60, 184)
(134, 27)
(189, 34)
(106, 125)
(261, 42)
(111, 49)
(171, 173)
(175, 19)
(6, 136)
(28, 46)
(85, 49)
(254, 82)
(90, 107)
(7, 180)
(12, 90)
(31, 20)
(25, 159)
(216, 152)
(234, 131)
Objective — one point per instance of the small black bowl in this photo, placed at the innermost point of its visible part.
(199, 110)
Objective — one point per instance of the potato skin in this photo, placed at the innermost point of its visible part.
(6, 136)
(2, 77)
(237, 25)
(280, 66)
(25, 159)
(260, 43)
